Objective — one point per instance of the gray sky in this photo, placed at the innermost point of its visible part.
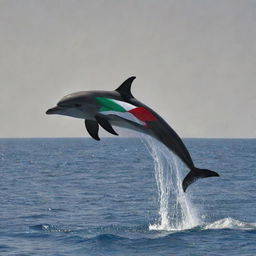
(194, 61)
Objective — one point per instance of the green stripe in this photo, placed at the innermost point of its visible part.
(109, 105)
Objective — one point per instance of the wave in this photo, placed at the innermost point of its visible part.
(229, 223)
(107, 237)
(151, 232)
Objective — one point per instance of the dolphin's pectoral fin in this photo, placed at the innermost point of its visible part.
(125, 88)
(104, 123)
(92, 128)
(196, 174)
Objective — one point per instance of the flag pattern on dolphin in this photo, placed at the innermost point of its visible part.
(125, 110)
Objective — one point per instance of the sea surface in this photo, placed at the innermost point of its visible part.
(122, 196)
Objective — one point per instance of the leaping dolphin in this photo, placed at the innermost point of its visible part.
(120, 108)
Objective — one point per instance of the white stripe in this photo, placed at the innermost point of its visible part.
(125, 105)
(125, 115)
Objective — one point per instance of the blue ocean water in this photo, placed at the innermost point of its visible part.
(122, 196)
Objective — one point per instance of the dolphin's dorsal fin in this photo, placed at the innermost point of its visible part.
(125, 88)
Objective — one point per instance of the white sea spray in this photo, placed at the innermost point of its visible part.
(176, 211)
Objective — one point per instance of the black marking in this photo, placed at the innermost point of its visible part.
(92, 128)
(104, 123)
(196, 174)
(125, 88)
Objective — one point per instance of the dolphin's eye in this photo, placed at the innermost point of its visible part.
(77, 105)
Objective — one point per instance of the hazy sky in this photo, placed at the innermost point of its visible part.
(195, 62)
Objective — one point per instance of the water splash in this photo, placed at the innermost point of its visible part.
(176, 211)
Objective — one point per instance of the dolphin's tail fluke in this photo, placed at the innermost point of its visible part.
(196, 174)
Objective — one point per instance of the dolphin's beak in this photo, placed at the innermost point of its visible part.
(55, 110)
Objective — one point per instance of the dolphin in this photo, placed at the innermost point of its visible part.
(120, 108)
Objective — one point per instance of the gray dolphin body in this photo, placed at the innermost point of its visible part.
(120, 108)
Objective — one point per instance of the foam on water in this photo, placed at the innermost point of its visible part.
(176, 211)
(229, 223)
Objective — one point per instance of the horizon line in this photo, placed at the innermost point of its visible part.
(122, 137)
